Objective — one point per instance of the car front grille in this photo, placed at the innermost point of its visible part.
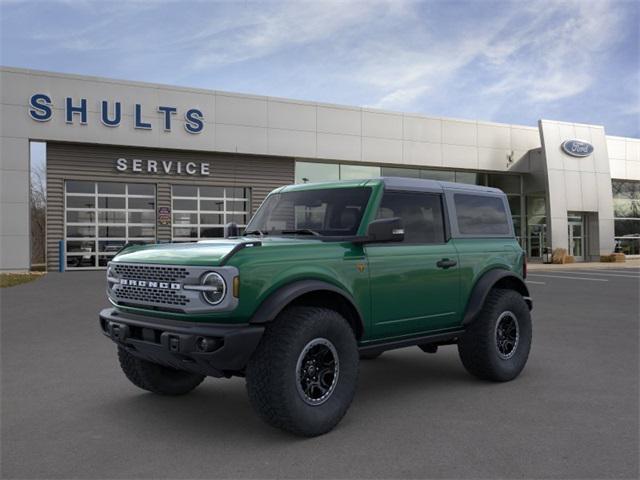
(154, 296)
(165, 287)
(158, 273)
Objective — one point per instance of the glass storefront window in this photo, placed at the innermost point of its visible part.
(626, 211)
(536, 240)
(309, 172)
(356, 172)
(400, 172)
(468, 177)
(506, 183)
(442, 175)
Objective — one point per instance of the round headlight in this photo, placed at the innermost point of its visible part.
(110, 276)
(216, 288)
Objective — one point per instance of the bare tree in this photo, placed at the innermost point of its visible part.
(38, 211)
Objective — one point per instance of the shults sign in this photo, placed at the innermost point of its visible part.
(41, 109)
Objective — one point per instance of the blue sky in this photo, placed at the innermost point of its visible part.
(512, 62)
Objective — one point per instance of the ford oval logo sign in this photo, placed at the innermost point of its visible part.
(577, 148)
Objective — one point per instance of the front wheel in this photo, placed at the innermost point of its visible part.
(157, 378)
(496, 345)
(302, 377)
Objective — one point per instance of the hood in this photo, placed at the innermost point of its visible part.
(204, 253)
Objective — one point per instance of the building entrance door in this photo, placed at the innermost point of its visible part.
(576, 236)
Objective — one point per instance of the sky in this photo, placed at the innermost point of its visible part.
(502, 61)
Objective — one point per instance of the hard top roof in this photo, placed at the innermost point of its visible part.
(394, 183)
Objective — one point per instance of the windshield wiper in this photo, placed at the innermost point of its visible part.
(256, 232)
(301, 231)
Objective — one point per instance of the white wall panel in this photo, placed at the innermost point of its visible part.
(241, 139)
(494, 136)
(339, 147)
(589, 190)
(492, 158)
(232, 110)
(13, 220)
(381, 150)
(292, 143)
(618, 169)
(455, 132)
(14, 153)
(633, 170)
(525, 138)
(633, 150)
(573, 191)
(422, 153)
(292, 116)
(381, 125)
(420, 129)
(617, 148)
(339, 120)
(460, 157)
(14, 252)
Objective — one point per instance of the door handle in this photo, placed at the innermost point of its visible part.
(446, 263)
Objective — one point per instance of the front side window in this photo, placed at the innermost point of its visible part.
(324, 212)
(481, 215)
(420, 213)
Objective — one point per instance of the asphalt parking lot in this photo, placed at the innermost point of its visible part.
(68, 411)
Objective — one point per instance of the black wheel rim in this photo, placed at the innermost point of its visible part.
(507, 335)
(317, 371)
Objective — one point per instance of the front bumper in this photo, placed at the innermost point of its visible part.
(180, 344)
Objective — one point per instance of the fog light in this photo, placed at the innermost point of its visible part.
(206, 344)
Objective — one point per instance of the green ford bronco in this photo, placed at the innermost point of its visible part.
(325, 275)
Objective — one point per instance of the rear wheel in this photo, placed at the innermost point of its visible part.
(496, 345)
(157, 378)
(302, 377)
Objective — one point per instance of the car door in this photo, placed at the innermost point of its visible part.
(414, 284)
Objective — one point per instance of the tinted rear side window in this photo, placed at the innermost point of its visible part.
(421, 215)
(481, 215)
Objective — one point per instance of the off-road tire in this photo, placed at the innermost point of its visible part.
(370, 356)
(479, 346)
(157, 378)
(272, 372)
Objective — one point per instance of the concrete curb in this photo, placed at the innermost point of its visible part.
(629, 264)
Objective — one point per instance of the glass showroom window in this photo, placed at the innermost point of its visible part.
(101, 217)
(202, 212)
(626, 210)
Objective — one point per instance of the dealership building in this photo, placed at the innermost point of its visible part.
(140, 162)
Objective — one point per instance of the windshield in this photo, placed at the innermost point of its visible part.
(322, 212)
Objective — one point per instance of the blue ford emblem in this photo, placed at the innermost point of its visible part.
(577, 148)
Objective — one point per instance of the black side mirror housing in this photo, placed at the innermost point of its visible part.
(231, 230)
(385, 230)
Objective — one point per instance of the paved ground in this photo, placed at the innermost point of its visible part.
(68, 412)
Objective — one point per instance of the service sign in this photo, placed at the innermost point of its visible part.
(577, 148)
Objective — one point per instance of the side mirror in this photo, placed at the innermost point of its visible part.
(231, 230)
(385, 230)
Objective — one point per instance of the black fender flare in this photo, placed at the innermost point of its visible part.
(278, 300)
(484, 285)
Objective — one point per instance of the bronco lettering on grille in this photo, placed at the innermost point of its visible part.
(150, 284)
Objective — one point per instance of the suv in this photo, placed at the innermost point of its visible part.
(324, 275)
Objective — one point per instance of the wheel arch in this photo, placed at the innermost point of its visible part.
(312, 293)
(495, 278)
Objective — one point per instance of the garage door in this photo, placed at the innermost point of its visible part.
(101, 217)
